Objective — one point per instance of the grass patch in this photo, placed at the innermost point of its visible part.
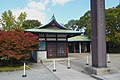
(2, 69)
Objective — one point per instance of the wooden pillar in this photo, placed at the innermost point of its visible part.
(90, 48)
(56, 46)
(74, 47)
(79, 47)
(46, 46)
(66, 47)
(45, 43)
(98, 33)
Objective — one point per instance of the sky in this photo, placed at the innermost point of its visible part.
(42, 10)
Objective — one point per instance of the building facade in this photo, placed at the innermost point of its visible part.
(79, 44)
(54, 40)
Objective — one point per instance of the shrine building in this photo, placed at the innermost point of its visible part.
(54, 40)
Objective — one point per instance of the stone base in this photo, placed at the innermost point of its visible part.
(98, 71)
(24, 75)
(54, 70)
(68, 67)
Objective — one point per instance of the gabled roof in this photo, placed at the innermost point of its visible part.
(53, 25)
(79, 38)
(53, 28)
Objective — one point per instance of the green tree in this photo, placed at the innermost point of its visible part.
(112, 27)
(112, 21)
(27, 24)
(21, 18)
(84, 21)
(9, 22)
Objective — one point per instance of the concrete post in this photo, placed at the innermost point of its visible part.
(87, 60)
(108, 58)
(68, 63)
(54, 66)
(24, 74)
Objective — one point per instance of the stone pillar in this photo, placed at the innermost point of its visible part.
(99, 62)
(98, 34)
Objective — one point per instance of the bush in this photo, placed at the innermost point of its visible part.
(17, 46)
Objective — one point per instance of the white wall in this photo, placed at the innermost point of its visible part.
(41, 55)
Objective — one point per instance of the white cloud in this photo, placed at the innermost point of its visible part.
(45, 2)
(60, 2)
(37, 5)
(32, 14)
(36, 9)
(55, 2)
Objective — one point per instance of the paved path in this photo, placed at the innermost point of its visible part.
(38, 72)
(41, 72)
(67, 74)
(114, 76)
(80, 61)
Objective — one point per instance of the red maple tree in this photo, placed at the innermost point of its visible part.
(17, 45)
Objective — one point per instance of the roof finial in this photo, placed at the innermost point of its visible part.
(53, 17)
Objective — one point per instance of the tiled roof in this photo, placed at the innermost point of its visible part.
(54, 23)
(79, 38)
(51, 31)
(53, 27)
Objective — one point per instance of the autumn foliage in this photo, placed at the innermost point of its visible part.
(17, 45)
